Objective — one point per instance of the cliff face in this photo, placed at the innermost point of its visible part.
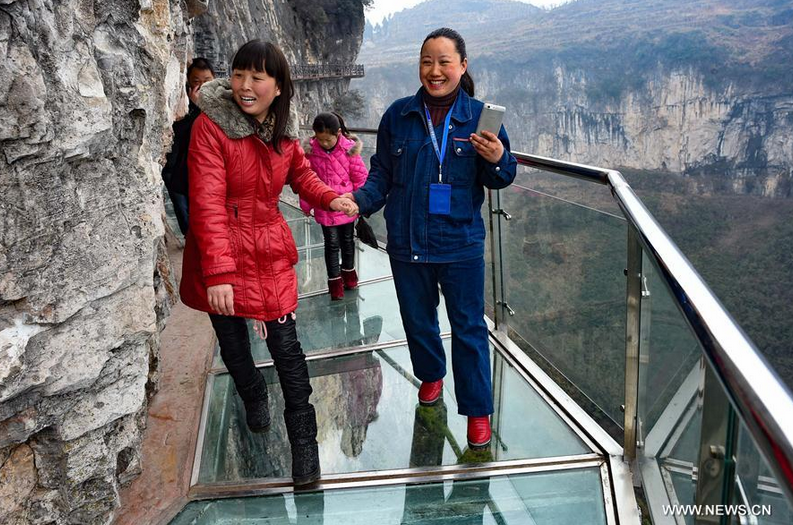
(87, 96)
(684, 87)
(89, 90)
(675, 122)
(320, 32)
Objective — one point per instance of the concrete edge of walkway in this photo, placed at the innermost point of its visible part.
(169, 441)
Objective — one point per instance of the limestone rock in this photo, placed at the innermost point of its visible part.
(17, 481)
(86, 105)
(227, 25)
(89, 92)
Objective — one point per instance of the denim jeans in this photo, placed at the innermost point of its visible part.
(290, 362)
(463, 287)
(339, 238)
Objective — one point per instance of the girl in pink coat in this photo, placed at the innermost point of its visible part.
(335, 156)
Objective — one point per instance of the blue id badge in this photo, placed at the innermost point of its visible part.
(440, 199)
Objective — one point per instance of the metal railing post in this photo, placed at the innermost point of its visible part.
(500, 306)
(633, 274)
(715, 475)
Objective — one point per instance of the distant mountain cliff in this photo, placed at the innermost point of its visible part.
(688, 87)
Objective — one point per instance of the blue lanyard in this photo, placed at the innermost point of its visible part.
(441, 153)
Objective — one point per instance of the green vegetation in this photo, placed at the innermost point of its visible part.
(742, 246)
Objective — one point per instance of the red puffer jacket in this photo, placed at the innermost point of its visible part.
(237, 234)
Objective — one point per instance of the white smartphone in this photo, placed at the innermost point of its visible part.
(490, 119)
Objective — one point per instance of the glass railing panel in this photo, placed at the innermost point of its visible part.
(367, 315)
(571, 497)
(377, 220)
(300, 231)
(583, 193)
(369, 419)
(755, 485)
(489, 290)
(670, 401)
(669, 352)
(565, 280)
(315, 236)
(291, 208)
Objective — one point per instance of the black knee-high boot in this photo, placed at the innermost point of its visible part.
(257, 412)
(235, 350)
(301, 426)
(299, 415)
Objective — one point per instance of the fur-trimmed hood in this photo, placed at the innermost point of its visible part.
(353, 145)
(217, 103)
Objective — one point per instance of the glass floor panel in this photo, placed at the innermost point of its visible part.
(313, 277)
(367, 315)
(369, 419)
(571, 497)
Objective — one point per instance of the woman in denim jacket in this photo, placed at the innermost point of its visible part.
(435, 229)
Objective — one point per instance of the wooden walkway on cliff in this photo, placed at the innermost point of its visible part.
(321, 71)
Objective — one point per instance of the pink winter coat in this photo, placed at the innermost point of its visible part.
(342, 169)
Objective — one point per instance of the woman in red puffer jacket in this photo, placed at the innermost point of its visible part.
(335, 155)
(239, 252)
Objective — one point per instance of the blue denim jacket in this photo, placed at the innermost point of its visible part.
(404, 166)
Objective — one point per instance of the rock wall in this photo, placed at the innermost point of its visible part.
(675, 122)
(227, 25)
(89, 89)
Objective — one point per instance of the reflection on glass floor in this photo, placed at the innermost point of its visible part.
(385, 459)
(369, 419)
(572, 497)
(367, 315)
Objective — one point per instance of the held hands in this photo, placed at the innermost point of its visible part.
(221, 298)
(488, 146)
(345, 204)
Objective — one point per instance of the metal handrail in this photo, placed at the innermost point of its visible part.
(755, 390)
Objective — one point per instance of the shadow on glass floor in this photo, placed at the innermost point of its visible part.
(571, 497)
(369, 419)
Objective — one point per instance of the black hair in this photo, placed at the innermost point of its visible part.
(202, 64)
(265, 57)
(466, 82)
(330, 123)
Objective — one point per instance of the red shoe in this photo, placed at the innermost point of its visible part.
(350, 278)
(479, 431)
(430, 393)
(336, 287)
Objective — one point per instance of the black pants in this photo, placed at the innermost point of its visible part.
(339, 238)
(235, 350)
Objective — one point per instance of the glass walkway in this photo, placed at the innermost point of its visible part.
(619, 382)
